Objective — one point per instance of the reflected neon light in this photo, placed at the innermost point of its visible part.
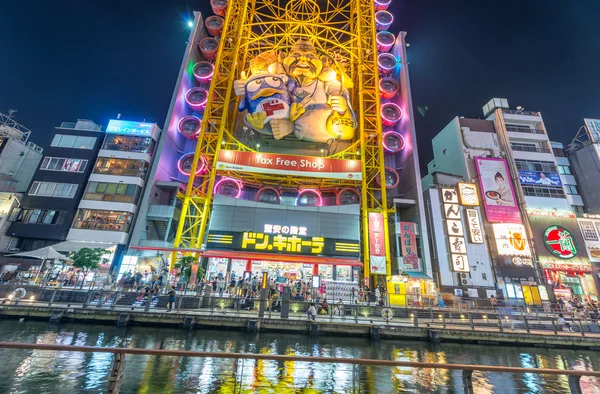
(225, 179)
(393, 134)
(316, 192)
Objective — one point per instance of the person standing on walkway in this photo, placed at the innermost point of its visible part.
(377, 294)
(312, 312)
(171, 302)
(493, 301)
(220, 285)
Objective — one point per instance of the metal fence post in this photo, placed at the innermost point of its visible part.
(467, 378)
(500, 323)
(443, 320)
(117, 373)
(415, 318)
(52, 298)
(472, 322)
(526, 323)
(574, 384)
(554, 326)
(581, 328)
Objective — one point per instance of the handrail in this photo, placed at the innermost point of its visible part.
(277, 357)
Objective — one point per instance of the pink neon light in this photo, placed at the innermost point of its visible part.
(320, 204)
(389, 169)
(386, 93)
(203, 78)
(186, 133)
(268, 188)
(386, 147)
(182, 160)
(238, 184)
(347, 189)
(381, 5)
(387, 121)
(196, 106)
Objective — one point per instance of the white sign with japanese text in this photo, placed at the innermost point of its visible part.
(474, 224)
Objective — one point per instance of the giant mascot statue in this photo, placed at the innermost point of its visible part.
(299, 93)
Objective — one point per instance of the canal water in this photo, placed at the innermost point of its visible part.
(65, 372)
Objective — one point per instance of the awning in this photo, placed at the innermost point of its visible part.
(417, 275)
(49, 252)
(74, 246)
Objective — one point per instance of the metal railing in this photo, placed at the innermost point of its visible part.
(518, 112)
(246, 371)
(530, 149)
(524, 129)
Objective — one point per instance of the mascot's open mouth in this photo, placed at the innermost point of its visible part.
(267, 92)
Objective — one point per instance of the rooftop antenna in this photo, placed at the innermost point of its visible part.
(520, 108)
(11, 112)
(118, 116)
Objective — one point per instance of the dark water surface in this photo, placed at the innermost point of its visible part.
(66, 372)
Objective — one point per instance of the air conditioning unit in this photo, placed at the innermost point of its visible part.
(464, 279)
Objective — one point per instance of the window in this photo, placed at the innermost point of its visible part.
(571, 189)
(124, 167)
(51, 189)
(559, 152)
(73, 141)
(36, 216)
(588, 230)
(61, 164)
(565, 170)
(119, 192)
(128, 143)
(91, 219)
(524, 147)
(577, 208)
(543, 191)
(534, 165)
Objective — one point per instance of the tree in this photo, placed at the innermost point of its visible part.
(88, 259)
(184, 266)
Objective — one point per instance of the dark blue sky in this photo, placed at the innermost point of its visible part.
(67, 59)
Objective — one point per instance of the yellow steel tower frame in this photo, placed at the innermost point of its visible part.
(344, 28)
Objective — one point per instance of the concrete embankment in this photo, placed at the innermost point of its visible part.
(297, 324)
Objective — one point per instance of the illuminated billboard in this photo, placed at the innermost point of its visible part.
(126, 127)
(511, 240)
(539, 178)
(497, 191)
(468, 194)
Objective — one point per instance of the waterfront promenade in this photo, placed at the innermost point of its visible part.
(504, 326)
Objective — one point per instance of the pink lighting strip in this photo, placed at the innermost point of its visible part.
(204, 78)
(196, 106)
(383, 25)
(320, 204)
(186, 133)
(386, 69)
(225, 179)
(387, 121)
(382, 5)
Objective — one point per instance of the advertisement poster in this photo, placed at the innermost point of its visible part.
(593, 126)
(475, 232)
(560, 242)
(408, 246)
(539, 178)
(468, 194)
(553, 243)
(377, 244)
(497, 192)
(511, 240)
(275, 163)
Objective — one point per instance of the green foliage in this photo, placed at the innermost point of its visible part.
(184, 265)
(88, 259)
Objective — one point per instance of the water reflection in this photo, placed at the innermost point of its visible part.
(65, 372)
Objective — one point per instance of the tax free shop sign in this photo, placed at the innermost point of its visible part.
(274, 163)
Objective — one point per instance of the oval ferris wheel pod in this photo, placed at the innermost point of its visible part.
(383, 20)
(391, 178)
(196, 98)
(214, 25)
(382, 5)
(219, 7)
(385, 41)
(387, 63)
(348, 196)
(392, 141)
(391, 114)
(189, 127)
(268, 195)
(203, 71)
(309, 198)
(209, 47)
(388, 87)
(228, 187)
(185, 164)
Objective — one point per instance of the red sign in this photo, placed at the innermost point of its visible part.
(581, 267)
(275, 163)
(377, 243)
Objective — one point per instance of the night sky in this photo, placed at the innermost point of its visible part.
(62, 60)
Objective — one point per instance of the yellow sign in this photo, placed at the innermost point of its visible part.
(468, 194)
(282, 243)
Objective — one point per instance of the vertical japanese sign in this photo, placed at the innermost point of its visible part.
(497, 191)
(408, 246)
(376, 244)
(475, 234)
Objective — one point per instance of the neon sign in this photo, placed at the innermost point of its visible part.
(279, 229)
(127, 127)
(560, 242)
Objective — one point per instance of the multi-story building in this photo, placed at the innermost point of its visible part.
(19, 159)
(223, 179)
(567, 177)
(106, 212)
(532, 232)
(48, 206)
(584, 156)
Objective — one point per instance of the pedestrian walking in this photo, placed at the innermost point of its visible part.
(171, 302)
(493, 302)
(312, 312)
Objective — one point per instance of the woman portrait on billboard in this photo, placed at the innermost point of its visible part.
(502, 195)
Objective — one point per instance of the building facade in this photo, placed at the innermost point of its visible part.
(584, 156)
(527, 199)
(48, 206)
(298, 195)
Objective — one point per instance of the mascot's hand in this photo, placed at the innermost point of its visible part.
(239, 85)
(281, 127)
(338, 104)
(256, 120)
(296, 110)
